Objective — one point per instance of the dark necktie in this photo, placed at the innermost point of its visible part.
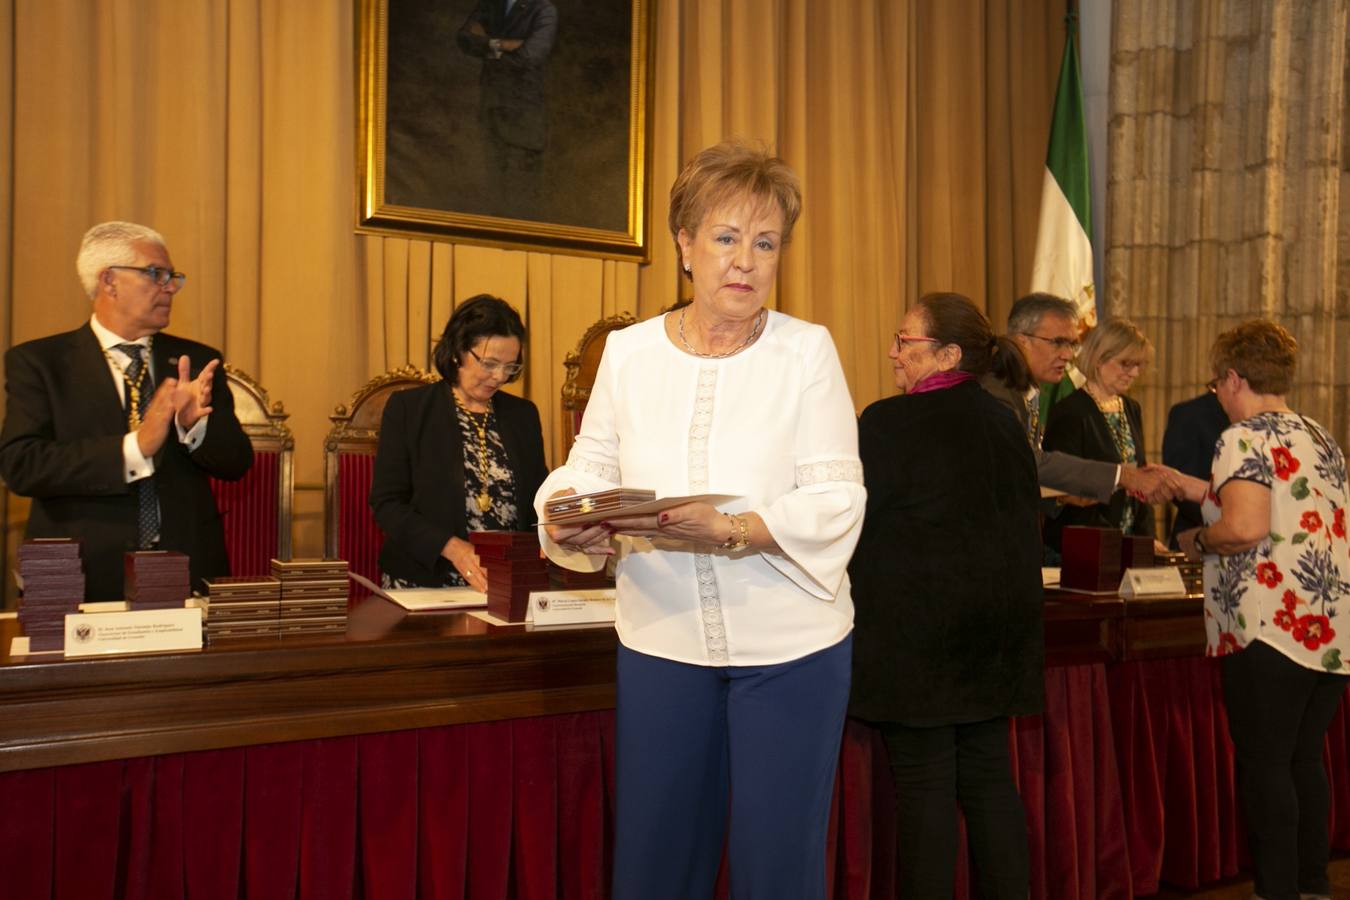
(137, 402)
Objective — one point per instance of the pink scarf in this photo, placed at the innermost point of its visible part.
(939, 381)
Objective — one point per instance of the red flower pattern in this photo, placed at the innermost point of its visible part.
(1313, 631)
(1290, 601)
(1338, 523)
(1227, 644)
(1286, 463)
(1311, 521)
(1269, 574)
(1285, 618)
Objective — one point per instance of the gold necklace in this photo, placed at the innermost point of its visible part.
(133, 387)
(483, 500)
(1108, 405)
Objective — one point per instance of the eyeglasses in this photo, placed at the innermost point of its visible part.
(159, 276)
(903, 339)
(1059, 343)
(1213, 384)
(492, 367)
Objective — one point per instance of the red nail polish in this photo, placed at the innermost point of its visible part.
(663, 518)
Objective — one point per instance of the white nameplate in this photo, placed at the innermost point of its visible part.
(570, 607)
(1163, 581)
(138, 631)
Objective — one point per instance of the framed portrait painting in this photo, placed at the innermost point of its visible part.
(506, 122)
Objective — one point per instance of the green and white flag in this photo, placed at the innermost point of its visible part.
(1063, 264)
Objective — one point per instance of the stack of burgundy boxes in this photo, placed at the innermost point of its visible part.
(243, 606)
(514, 568)
(313, 596)
(156, 579)
(53, 585)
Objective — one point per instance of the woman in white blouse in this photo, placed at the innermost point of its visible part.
(734, 621)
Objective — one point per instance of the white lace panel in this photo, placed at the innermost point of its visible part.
(830, 470)
(709, 599)
(599, 470)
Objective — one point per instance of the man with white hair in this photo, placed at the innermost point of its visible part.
(115, 429)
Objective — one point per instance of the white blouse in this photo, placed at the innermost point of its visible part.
(773, 425)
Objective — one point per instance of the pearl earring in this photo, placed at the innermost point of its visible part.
(688, 268)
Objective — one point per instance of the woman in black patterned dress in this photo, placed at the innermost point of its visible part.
(459, 455)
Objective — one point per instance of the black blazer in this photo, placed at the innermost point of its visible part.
(1077, 426)
(1193, 428)
(417, 489)
(61, 445)
(947, 574)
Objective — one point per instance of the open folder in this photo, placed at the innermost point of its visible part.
(426, 599)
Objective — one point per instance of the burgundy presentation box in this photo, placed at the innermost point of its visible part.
(514, 568)
(1136, 552)
(1091, 559)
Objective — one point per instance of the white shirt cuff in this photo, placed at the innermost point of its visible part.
(134, 465)
(1117, 481)
(193, 436)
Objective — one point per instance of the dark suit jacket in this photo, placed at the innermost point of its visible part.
(512, 89)
(946, 577)
(1193, 428)
(417, 491)
(61, 445)
(1061, 471)
(1078, 427)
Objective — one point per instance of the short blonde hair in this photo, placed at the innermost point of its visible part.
(1109, 340)
(732, 170)
(1259, 350)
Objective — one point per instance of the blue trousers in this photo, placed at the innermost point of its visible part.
(741, 754)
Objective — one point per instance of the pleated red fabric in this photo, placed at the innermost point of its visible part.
(359, 538)
(1125, 774)
(248, 515)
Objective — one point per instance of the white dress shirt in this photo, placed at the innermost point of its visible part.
(134, 463)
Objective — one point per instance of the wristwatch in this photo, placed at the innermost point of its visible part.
(1199, 544)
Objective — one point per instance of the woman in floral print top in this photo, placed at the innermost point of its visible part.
(1277, 576)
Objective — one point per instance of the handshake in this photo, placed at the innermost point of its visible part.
(1156, 483)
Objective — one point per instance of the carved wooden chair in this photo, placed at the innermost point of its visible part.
(350, 531)
(581, 365)
(256, 510)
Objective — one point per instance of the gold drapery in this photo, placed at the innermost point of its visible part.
(919, 130)
(1229, 189)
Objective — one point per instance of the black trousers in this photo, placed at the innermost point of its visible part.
(1278, 715)
(936, 769)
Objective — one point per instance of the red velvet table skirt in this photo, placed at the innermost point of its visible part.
(522, 808)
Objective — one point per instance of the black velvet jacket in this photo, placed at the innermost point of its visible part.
(417, 488)
(946, 577)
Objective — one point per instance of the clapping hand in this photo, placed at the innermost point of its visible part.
(192, 397)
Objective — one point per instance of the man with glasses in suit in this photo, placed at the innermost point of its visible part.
(115, 429)
(1045, 328)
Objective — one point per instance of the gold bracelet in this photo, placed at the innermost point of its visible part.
(739, 538)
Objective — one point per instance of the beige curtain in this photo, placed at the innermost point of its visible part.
(1229, 189)
(918, 128)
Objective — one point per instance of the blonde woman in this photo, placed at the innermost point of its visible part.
(1098, 421)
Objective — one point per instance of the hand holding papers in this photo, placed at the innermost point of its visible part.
(585, 522)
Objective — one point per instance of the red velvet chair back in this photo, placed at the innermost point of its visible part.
(256, 510)
(350, 531)
(581, 365)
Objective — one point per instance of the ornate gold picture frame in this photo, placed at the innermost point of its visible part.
(520, 123)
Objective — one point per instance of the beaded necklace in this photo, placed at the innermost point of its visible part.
(484, 501)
